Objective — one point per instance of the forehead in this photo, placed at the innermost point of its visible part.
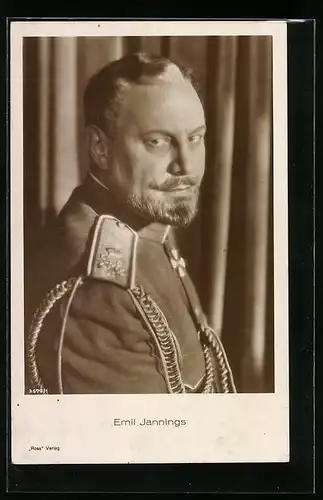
(162, 103)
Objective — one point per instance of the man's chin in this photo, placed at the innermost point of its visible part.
(182, 215)
(179, 212)
(176, 220)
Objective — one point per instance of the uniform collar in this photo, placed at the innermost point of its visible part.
(154, 232)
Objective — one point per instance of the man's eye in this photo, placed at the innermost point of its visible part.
(158, 142)
(195, 138)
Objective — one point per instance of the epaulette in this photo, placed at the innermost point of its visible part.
(112, 255)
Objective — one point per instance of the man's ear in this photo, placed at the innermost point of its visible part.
(98, 146)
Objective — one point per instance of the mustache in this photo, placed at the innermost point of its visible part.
(173, 183)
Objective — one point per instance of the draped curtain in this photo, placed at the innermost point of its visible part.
(229, 246)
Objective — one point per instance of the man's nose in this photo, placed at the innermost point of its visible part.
(182, 162)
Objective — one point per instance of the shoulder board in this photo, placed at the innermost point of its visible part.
(112, 255)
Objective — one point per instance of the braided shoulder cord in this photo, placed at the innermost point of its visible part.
(166, 341)
(226, 378)
(46, 306)
(75, 286)
(210, 375)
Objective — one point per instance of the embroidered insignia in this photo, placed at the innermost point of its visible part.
(177, 262)
(112, 255)
(112, 262)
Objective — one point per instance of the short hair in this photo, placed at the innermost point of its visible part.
(103, 94)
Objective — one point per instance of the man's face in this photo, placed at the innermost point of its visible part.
(156, 162)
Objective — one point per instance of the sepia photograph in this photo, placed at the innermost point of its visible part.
(148, 217)
(179, 297)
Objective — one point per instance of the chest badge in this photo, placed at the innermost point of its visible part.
(177, 262)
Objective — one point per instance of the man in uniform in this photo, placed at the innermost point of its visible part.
(121, 314)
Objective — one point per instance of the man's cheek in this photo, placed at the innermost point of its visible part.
(153, 173)
(200, 160)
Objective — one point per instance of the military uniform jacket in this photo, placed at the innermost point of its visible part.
(102, 337)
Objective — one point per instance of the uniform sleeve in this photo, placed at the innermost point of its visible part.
(107, 348)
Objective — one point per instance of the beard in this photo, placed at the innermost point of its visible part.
(175, 212)
(157, 204)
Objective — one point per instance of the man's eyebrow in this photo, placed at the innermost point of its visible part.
(169, 132)
(199, 129)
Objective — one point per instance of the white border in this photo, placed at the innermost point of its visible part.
(220, 428)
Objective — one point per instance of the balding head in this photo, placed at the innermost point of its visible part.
(106, 89)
